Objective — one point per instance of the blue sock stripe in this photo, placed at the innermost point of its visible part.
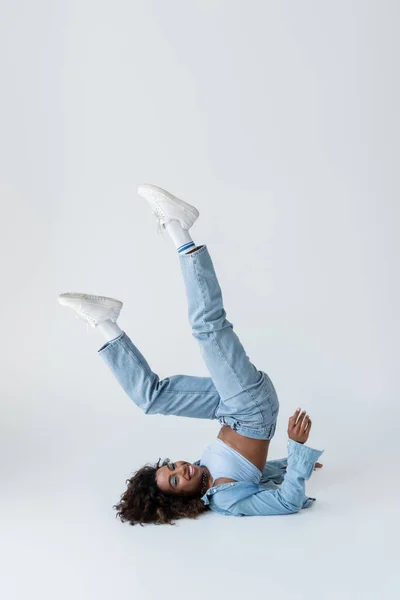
(186, 246)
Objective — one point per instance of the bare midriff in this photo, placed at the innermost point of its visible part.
(256, 451)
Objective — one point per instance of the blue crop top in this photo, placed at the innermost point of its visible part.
(223, 461)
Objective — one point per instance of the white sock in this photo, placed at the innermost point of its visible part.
(110, 330)
(181, 237)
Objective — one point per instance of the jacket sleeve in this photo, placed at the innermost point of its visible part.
(273, 472)
(291, 497)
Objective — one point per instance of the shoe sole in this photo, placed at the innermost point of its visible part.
(65, 299)
(193, 212)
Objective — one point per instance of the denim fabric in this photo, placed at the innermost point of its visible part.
(237, 393)
(267, 498)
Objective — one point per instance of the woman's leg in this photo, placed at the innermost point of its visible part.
(248, 400)
(248, 397)
(180, 395)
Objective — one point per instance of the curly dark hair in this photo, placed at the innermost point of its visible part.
(144, 502)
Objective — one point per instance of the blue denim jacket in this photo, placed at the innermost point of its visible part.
(266, 498)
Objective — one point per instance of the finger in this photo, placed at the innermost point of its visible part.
(303, 419)
(305, 422)
(295, 414)
(300, 417)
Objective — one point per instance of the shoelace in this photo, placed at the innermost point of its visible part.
(82, 316)
(89, 320)
(161, 216)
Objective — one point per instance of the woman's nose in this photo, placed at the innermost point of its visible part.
(184, 470)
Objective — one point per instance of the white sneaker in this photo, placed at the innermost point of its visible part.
(92, 309)
(167, 207)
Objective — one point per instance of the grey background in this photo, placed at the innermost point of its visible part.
(279, 121)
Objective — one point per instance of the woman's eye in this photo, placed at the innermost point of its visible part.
(171, 467)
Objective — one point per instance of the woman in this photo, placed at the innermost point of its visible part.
(233, 476)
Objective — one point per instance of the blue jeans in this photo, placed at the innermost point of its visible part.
(237, 393)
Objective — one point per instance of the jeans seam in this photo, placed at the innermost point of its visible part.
(147, 371)
(186, 392)
(106, 347)
(109, 345)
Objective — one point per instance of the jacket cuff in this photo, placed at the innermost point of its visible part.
(302, 458)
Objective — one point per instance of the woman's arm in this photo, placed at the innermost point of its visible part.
(291, 497)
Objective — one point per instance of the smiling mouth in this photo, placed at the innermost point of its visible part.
(191, 471)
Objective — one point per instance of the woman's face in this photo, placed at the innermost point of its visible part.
(180, 477)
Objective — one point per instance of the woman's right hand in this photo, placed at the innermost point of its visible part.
(299, 426)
